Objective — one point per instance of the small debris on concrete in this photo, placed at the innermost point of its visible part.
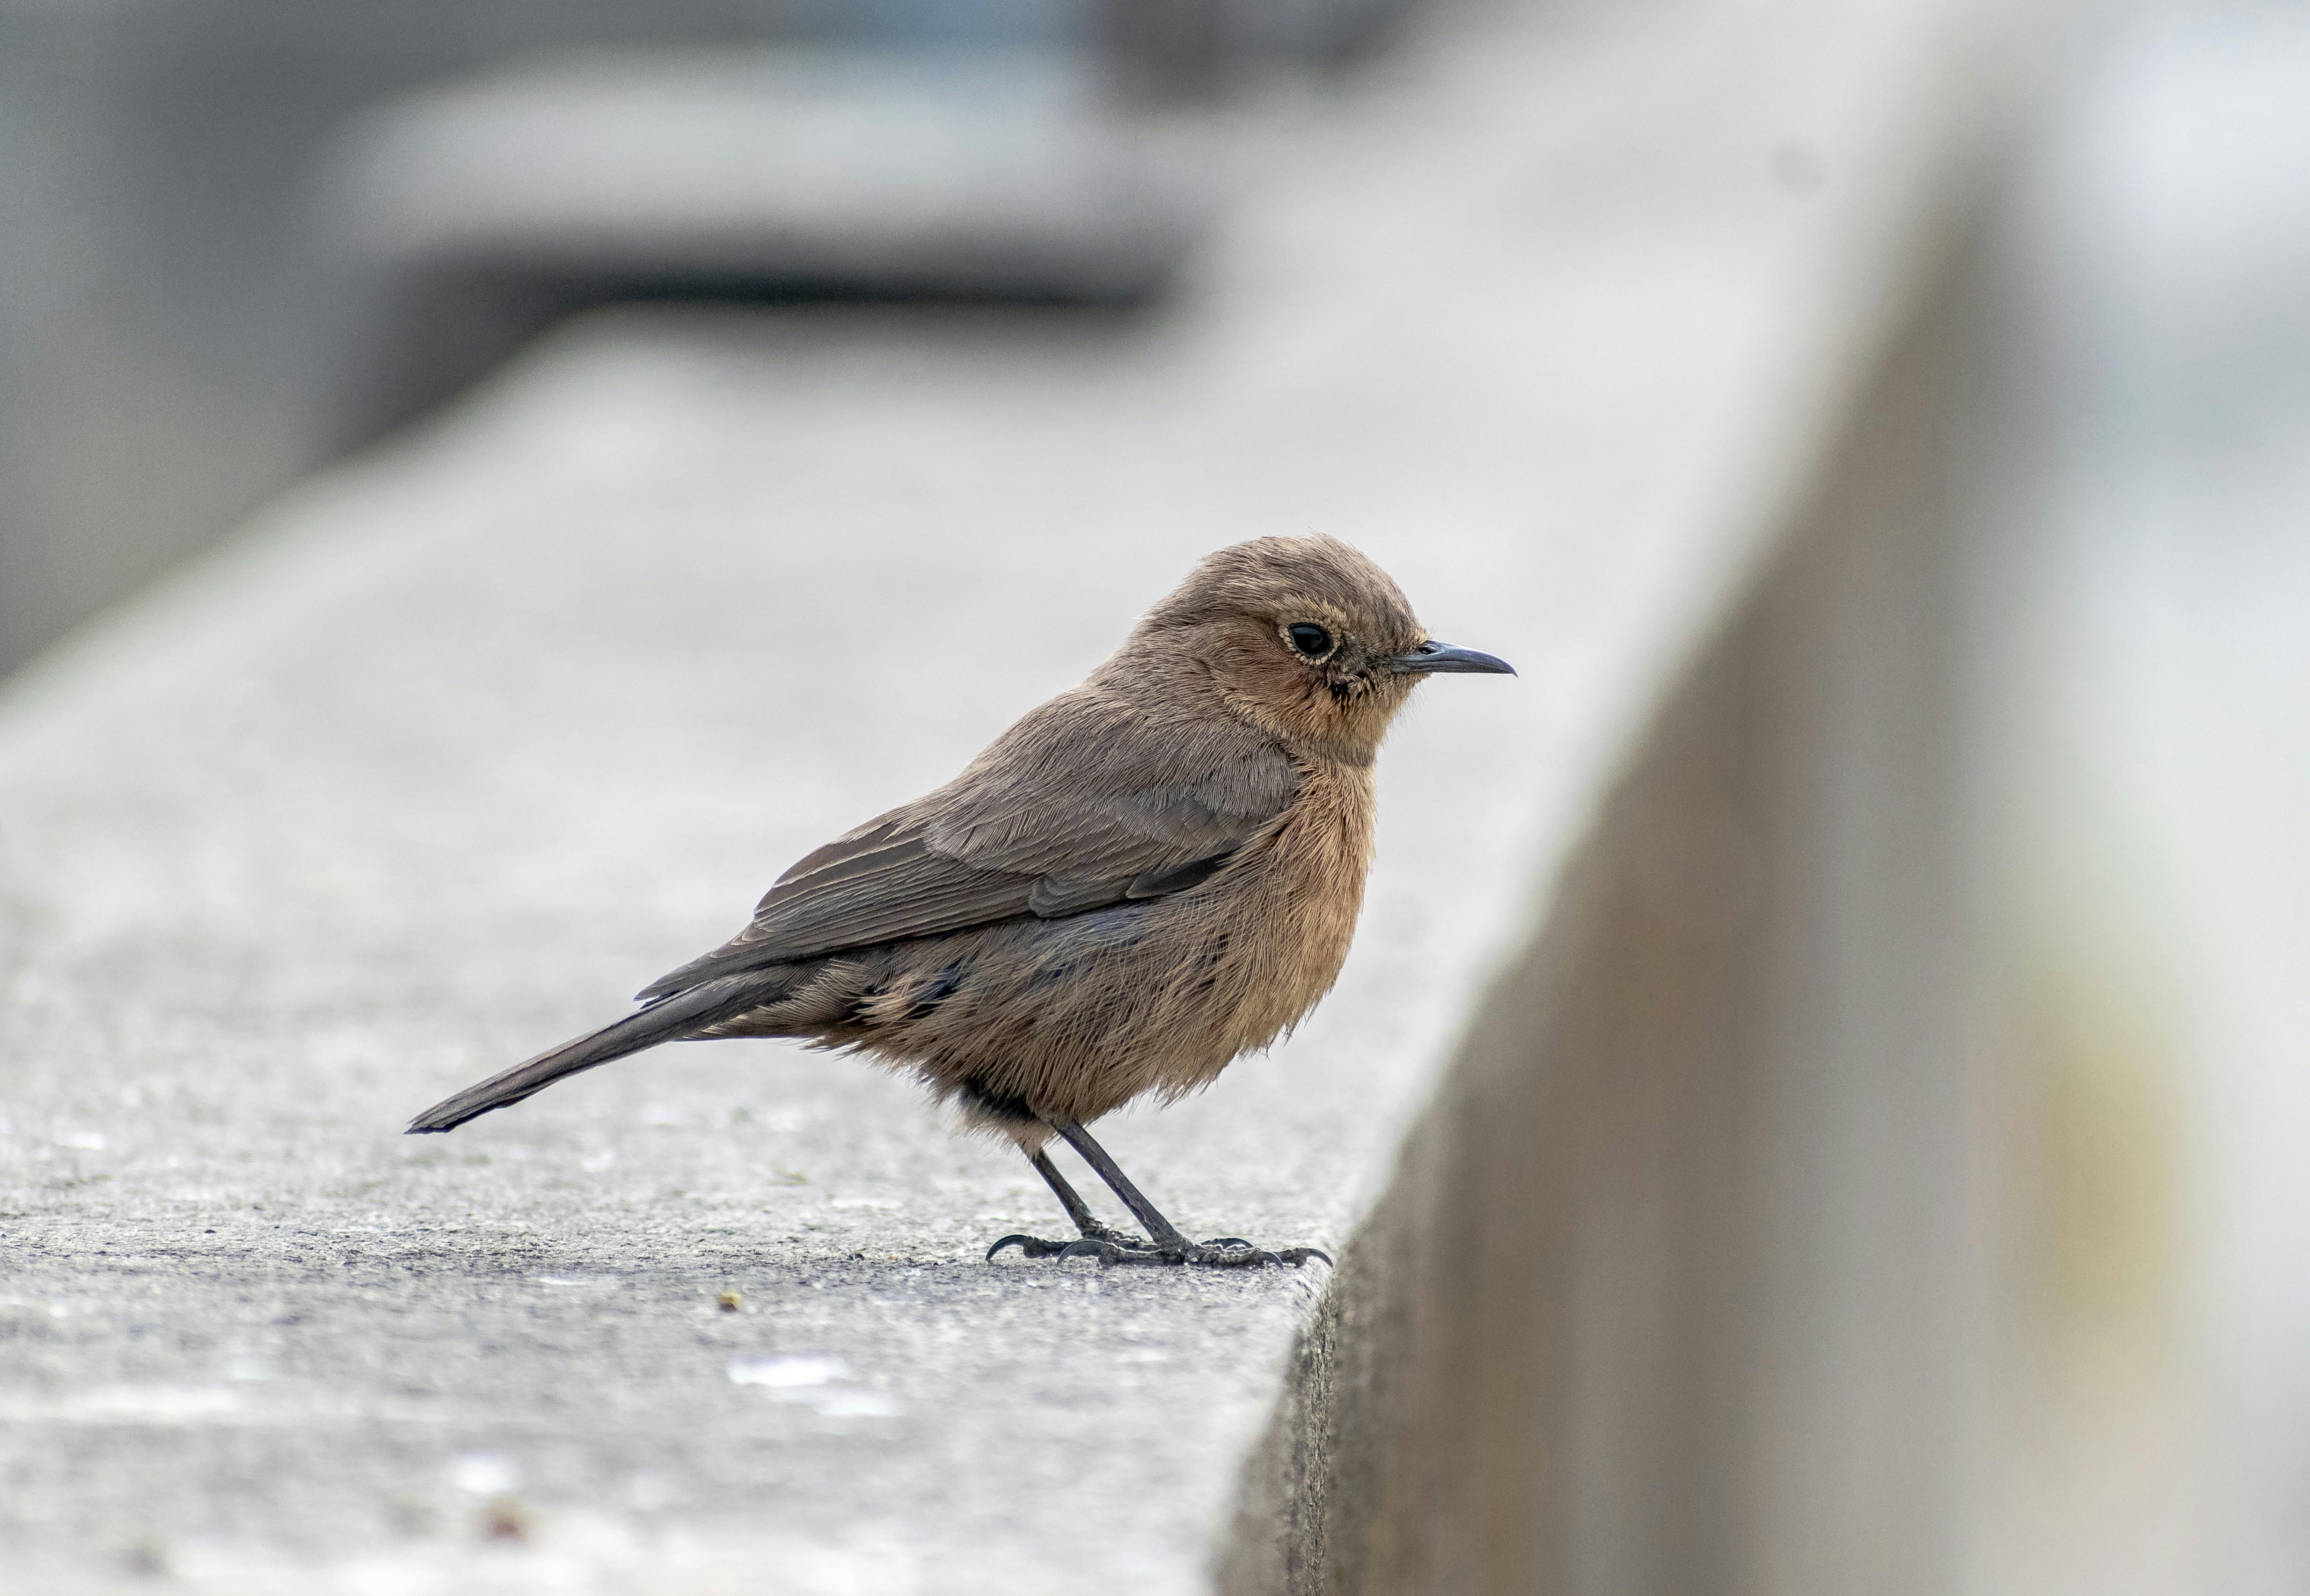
(505, 1519)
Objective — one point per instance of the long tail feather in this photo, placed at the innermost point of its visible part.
(665, 1020)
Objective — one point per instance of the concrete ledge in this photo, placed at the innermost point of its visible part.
(1547, 317)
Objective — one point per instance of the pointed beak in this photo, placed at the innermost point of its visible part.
(1434, 658)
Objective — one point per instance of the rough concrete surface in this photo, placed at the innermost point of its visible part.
(463, 745)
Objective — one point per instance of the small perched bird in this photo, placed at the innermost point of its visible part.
(1153, 873)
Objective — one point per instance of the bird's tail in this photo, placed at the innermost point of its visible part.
(668, 1020)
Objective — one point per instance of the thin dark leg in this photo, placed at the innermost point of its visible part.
(1068, 1198)
(1109, 1247)
(1166, 1234)
(1085, 1221)
(1170, 1246)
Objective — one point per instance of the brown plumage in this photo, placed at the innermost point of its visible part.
(1146, 877)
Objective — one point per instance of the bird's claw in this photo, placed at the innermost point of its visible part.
(1118, 1242)
(1246, 1256)
(1113, 1247)
(1232, 1251)
(1033, 1246)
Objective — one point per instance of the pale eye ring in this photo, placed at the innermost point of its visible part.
(1310, 640)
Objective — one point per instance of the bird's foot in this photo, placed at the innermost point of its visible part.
(1097, 1236)
(1223, 1251)
(1232, 1251)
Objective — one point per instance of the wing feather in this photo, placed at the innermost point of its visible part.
(1087, 802)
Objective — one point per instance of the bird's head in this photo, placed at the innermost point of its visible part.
(1303, 636)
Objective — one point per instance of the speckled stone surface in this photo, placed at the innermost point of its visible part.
(463, 744)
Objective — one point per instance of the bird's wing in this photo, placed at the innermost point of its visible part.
(1089, 801)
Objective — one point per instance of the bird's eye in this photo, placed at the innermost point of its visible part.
(1313, 641)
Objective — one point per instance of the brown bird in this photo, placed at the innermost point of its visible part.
(1146, 877)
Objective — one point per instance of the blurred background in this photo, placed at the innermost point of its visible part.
(244, 236)
(2145, 714)
(241, 239)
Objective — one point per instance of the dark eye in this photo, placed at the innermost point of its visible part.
(1313, 641)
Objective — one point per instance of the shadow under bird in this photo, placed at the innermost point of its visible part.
(1153, 873)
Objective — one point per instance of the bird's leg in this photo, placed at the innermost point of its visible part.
(1166, 1234)
(1169, 1245)
(1077, 1209)
(1035, 1247)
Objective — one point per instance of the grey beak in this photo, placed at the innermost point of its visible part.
(1432, 657)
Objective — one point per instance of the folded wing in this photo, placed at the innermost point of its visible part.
(1089, 802)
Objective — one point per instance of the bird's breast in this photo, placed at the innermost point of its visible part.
(1296, 912)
